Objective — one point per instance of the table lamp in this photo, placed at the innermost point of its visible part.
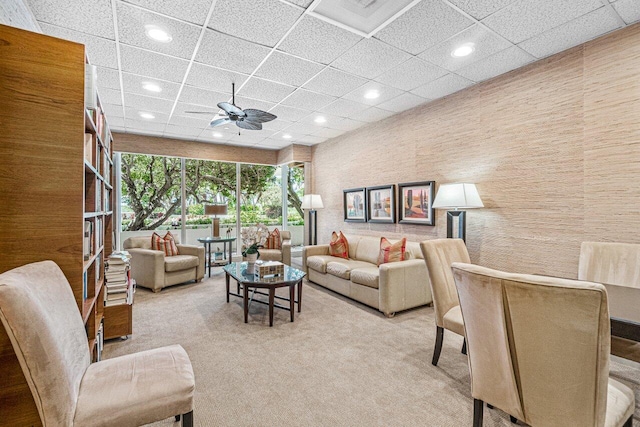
(457, 196)
(312, 202)
(215, 210)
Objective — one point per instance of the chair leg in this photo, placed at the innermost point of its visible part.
(513, 419)
(478, 412)
(629, 422)
(464, 346)
(489, 405)
(438, 347)
(187, 419)
(177, 418)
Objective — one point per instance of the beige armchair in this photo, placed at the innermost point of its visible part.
(615, 264)
(152, 269)
(439, 254)
(283, 255)
(539, 349)
(39, 312)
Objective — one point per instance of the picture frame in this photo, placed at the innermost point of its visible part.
(381, 204)
(415, 203)
(354, 201)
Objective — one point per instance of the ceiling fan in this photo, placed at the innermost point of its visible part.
(250, 118)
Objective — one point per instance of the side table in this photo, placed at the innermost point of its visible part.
(208, 241)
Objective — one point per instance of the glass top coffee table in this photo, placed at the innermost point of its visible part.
(291, 278)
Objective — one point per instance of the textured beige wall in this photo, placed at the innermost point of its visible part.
(554, 149)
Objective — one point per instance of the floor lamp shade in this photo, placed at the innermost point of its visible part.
(312, 202)
(215, 210)
(457, 196)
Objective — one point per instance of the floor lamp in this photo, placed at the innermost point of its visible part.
(312, 202)
(457, 196)
(215, 210)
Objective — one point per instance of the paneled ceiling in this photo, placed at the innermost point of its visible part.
(287, 59)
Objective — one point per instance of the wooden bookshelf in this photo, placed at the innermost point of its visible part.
(49, 189)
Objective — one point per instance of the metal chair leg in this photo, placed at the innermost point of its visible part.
(438, 347)
(187, 419)
(478, 412)
(464, 346)
(489, 405)
(513, 419)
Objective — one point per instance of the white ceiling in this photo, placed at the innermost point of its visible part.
(286, 60)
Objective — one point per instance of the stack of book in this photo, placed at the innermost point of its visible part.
(118, 283)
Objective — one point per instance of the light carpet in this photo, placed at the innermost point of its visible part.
(339, 364)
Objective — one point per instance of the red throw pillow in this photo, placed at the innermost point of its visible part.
(339, 246)
(273, 241)
(391, 252)
(166, 244)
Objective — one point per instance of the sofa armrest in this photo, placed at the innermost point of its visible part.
(286, 251)
(308, 251)
(403, 285)
(147, 268)
(197, 251)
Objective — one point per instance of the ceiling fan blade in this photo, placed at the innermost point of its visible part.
(219, 122)
(202, 112)
(259, 116)
(231, 109)
(249, 125)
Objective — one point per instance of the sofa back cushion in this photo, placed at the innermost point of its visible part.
(412, 251)
(142, 242)
(368, 250)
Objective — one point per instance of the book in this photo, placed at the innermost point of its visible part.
(88, 147)
(115, 302)
(86, 241)
(90, 87)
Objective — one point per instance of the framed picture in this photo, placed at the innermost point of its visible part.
(416, 203)
(381, 202)
(354, 205)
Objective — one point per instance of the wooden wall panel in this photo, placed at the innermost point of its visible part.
(553, 148)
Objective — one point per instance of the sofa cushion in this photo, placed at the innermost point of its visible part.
(319, 262)
(339, 246)
(180, 262)
(368, 250)
(166, 244)
(452, 320)
(273, 240)
(391, 252)
(367, 276)
(270, 254)
(342, 268)
(413, 251)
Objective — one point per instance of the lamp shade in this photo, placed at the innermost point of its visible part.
(312, 202)
(457, 195)
(215, 209)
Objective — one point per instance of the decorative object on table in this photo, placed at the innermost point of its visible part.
(228, 232)
(255, 236)
(415, 205)
(215, 210)
(312, 202)
(354, 205)
(457, 196)
(381, 204)
(270, 269)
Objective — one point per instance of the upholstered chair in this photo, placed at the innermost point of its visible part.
(615, 264)
(539, 349)
(42, 320)
(283, 255)
(439, 254)
(152, 269)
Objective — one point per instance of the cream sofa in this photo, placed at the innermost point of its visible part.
(390, 288)
(151, 269)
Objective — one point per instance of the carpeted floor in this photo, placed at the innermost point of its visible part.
(339, 364)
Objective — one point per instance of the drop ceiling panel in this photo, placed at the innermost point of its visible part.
(203, 97)
(265, 90)
(110, 96)
(344, 108)
(195, 122)
(113, 111)
(132, 23)
(524, 19)
(145, 63)
(257, 104)
(364, 16)
(148, 103)
(328, 133)
(132, 113)
(134, 84)
(288, 69)
(578, 31)
(372, 114)
(182, 108)
(213, 78)
(423, 26)
(230, 53)
(480, 9)
(302, 128)
(486, 43)
(136, 131)
(101, 52)
(275, 125)
(115, 122)
(144, 125)
(411, 74)
(629, 10)
(442, 87)
(318, 40)
(108, 78)
(275, 143)
(91, 17)
(335, 82)
(328, 118)
(259, 21)
(302, 3)
(501, 62)
(180, 131)
(345, 124)
(308, 100)
(403, 102)
(311, 139)
(385, 93)
(194, 11)
(370, 58)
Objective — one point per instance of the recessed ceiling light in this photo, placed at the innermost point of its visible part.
(463, 50)
(372, 94)
(286, 136)
(158, 34)
(147, 115)
(320, 119)
(151, 87)
(217, 135)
